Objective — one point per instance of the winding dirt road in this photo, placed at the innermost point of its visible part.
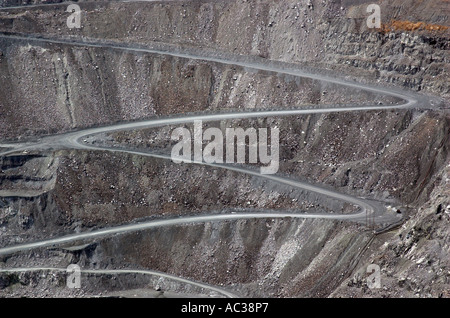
(74, 140)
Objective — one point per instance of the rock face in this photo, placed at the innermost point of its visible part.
(396, 156)
(414, 262)
(410, 49)
(86, 86)
(90, 86)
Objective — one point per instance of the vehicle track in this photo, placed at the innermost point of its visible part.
(216, 289)
(74, 140)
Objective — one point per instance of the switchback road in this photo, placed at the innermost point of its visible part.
(75, 140)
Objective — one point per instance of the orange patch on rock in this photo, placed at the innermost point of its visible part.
(396, 25)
